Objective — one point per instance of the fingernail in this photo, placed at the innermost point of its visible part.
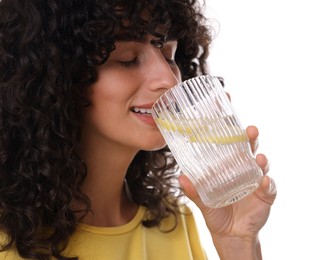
(267, 167)
(272, 187)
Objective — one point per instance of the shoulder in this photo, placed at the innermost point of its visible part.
(185, 209)
(9, 254)
(187, 217)
(182, 219)
(185, 232)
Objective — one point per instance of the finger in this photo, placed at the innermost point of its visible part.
(253, 134)
(268, 189)
(263, 162)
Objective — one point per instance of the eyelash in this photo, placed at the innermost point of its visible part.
(131, 63)
(135, 62)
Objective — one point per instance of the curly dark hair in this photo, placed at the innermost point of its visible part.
(49, 52)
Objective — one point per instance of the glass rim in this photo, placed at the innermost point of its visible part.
(220, 79)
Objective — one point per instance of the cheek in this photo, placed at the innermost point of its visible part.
(109, 91)
(103, 109)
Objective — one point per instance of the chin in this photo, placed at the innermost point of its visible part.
(155, 147)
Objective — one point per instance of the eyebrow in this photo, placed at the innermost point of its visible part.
(127, 37)
(142, 38)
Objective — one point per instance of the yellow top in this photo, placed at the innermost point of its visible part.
(133, 241)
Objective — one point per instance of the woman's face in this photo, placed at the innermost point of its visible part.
(128, 84)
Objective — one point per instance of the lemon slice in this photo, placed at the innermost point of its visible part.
(203, 134)
(173, 126)
(219, 139)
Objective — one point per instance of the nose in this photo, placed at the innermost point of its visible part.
(160, 75)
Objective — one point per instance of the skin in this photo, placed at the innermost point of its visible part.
(130, 78)
(135, 75)
(235, 228)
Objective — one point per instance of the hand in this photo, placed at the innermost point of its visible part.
(242, 220)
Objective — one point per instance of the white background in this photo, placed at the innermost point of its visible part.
(277, 58)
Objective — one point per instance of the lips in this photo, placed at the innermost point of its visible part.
(144, 114)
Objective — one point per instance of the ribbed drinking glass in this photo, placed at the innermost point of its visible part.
(207, 140)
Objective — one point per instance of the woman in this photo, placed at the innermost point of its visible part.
(84, 171)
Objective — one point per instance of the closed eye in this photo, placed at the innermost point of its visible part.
(129, 63)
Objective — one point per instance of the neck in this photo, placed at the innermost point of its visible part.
(104, 184)
(115, 210)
